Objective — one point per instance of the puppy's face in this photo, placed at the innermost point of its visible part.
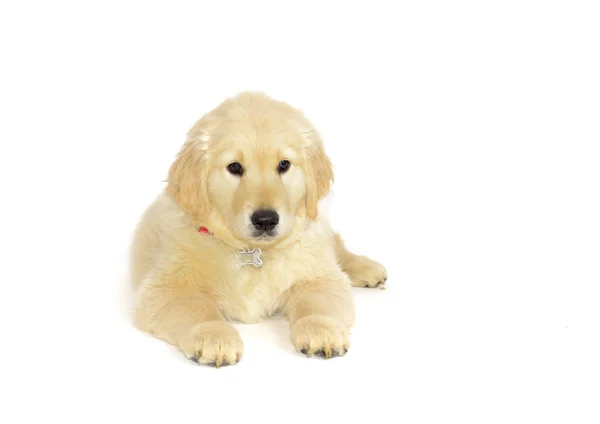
(254, 168)
(258, 184)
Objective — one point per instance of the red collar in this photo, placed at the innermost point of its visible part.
(204, 230)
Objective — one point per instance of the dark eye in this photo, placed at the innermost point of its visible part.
(283, 166)
(235, 168)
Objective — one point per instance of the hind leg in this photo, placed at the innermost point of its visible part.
(363, 272)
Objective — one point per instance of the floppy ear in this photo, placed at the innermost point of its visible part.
(187, 182)
(320, 175)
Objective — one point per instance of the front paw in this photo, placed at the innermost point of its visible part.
(364, 272)
(320, 335)
(214, 343)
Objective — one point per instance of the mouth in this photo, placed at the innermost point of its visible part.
(264, 235)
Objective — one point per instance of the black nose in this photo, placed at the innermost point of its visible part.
(264, 219)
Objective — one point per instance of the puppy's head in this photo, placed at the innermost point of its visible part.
(253, 169)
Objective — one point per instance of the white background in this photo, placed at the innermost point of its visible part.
(465, 137)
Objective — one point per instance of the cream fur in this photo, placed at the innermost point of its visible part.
(188, 284)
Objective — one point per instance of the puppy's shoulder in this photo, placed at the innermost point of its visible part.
(315, 244)
(172, 229)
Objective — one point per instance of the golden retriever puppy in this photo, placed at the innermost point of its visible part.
(239, 234)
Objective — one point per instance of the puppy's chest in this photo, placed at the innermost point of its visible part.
(255, 292)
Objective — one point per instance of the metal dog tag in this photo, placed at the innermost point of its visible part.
(251, 257)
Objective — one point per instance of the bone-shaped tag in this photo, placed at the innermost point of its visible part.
(250, 257)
